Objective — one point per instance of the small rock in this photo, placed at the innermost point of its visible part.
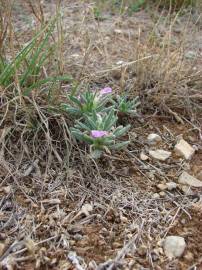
(118, 31)
(187, 179)
(155, 196)
(171, 185)
(78, 237)
(86, 209)
(186, 190)
(51, 201)
(7, 189)
(120, 62)
(183, 221)
(174, 246)
(75, 55)
(143, 156)
(159, 154)
(123, 219)
(189, 256)
(151, 174)
(116, 245)
(184, 149)
(133, 136)
(162, 194)
(162, 186)
(153, 139)
(92, 265)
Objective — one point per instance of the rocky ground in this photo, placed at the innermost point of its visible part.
(137, 209)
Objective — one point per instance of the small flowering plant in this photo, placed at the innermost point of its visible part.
(100, 133)
(126, 106)
(88, 102)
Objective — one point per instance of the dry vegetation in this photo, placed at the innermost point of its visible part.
(61, 209)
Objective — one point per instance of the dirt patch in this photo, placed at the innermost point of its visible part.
(190, 228)
(41, 219)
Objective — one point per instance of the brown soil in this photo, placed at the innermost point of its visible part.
(125, 219)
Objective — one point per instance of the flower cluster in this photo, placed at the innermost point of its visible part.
(88, 102)
(96, 122)
(98, 133)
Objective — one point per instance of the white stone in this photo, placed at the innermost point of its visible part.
(186, 190)
(120, 62)
(118, 31)
(171, 185)
(155, 196)
(174, 246)
(75, 55)
(162, 194)
(159, 154)
(187, 179)
(162, 186)
(86, 209)
(153, 139)
(184, 149)
(7, 189)
(143, 156)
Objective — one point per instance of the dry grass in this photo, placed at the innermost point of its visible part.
(49, 177)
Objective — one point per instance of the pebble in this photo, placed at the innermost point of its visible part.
(184, 149)
(118, 31)
(92, 265)
(189, 256)
(162, 186)
(86, 209)
(78, 237)
(116, 245)
(143, 156)
(155, 196)
(186, 190)
(159, 154)
(7, 189)
(153, 139)
(171, 185)
(162, 194)
(187, 179)
(183, 221)
(123, 219)
(174, 246)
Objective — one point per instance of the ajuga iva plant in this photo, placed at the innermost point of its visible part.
(88, 102)
(100, 132)
(126, 106)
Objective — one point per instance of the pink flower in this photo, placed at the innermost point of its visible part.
(106, 90)
(98, 133)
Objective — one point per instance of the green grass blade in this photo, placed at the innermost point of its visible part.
(119, 146)
(9, 70)
(36, 55)
(44, 81)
